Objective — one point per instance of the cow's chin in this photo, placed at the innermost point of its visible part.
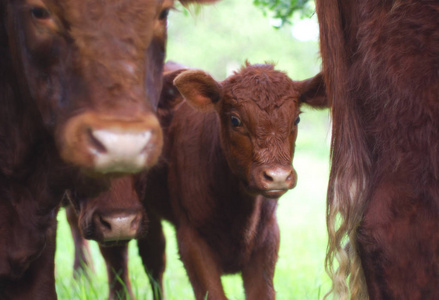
(270, 194)
(113, 243)
(273, 194)
(104, 242)
(89, 234)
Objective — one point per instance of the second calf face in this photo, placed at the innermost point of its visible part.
(258, 108)
(259, 113)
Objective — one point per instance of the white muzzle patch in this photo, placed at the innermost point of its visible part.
(122, 151)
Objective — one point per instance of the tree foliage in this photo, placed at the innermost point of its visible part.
(284, 10)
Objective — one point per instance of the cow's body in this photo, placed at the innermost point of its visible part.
(380, 61)
(79, 81)
(219, 179)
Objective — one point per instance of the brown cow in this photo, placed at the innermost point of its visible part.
(116, 216)
(380, 61)
(79, 81)
(227, 159)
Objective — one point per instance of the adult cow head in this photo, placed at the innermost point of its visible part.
(84, 75)
(259, 111)
(117, 215)
(92, 71)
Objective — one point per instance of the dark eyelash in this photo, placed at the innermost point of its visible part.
(40, 13)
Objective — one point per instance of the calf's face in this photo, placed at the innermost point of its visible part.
(92, 71)
(258, 108)
(114, 216)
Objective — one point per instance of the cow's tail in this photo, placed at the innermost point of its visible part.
(350, 161)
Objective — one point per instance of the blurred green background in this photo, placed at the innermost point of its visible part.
(218, 39)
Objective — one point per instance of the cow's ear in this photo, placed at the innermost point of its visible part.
(199, 89)
(170, 95)
(313, 92)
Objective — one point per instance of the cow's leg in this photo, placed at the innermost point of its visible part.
(400, 233)
(152, 252)
(82, 250)
(203, 271)
(116, 260)
(258, 273)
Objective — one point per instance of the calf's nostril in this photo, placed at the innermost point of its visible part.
(104, 223)
(135, 223)
(267, 177)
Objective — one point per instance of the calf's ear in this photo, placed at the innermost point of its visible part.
(170, 96)
(199, 89)
(313, 92)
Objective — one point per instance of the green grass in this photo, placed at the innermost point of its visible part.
(301, 215)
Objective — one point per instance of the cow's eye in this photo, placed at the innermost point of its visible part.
(297, 121)
(40, 13)
(164, 14)
(236, 122)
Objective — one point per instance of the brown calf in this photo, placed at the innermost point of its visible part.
(227, 158)
(79, 82)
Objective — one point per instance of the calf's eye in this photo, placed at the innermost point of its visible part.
(297, 121)
(40, 13)
(236, 122)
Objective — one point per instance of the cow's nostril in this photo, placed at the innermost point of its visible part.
(267, 177)
(135, 223)
(97, 145)
(105, 224)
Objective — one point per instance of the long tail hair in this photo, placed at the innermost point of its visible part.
(350, 161)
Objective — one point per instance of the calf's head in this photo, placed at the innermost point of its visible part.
(114, 216)
(259, 109)
(91, 71)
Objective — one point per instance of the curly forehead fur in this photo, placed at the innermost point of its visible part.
(261, 84)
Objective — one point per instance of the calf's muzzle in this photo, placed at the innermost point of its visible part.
(118, 226)
(274, 181)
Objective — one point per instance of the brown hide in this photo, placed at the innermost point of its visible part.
(224, 165)
(380, 63)
(79, 83)
(117, 215)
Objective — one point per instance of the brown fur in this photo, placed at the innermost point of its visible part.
(59, 61)
(380, 63)
(207, 182)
